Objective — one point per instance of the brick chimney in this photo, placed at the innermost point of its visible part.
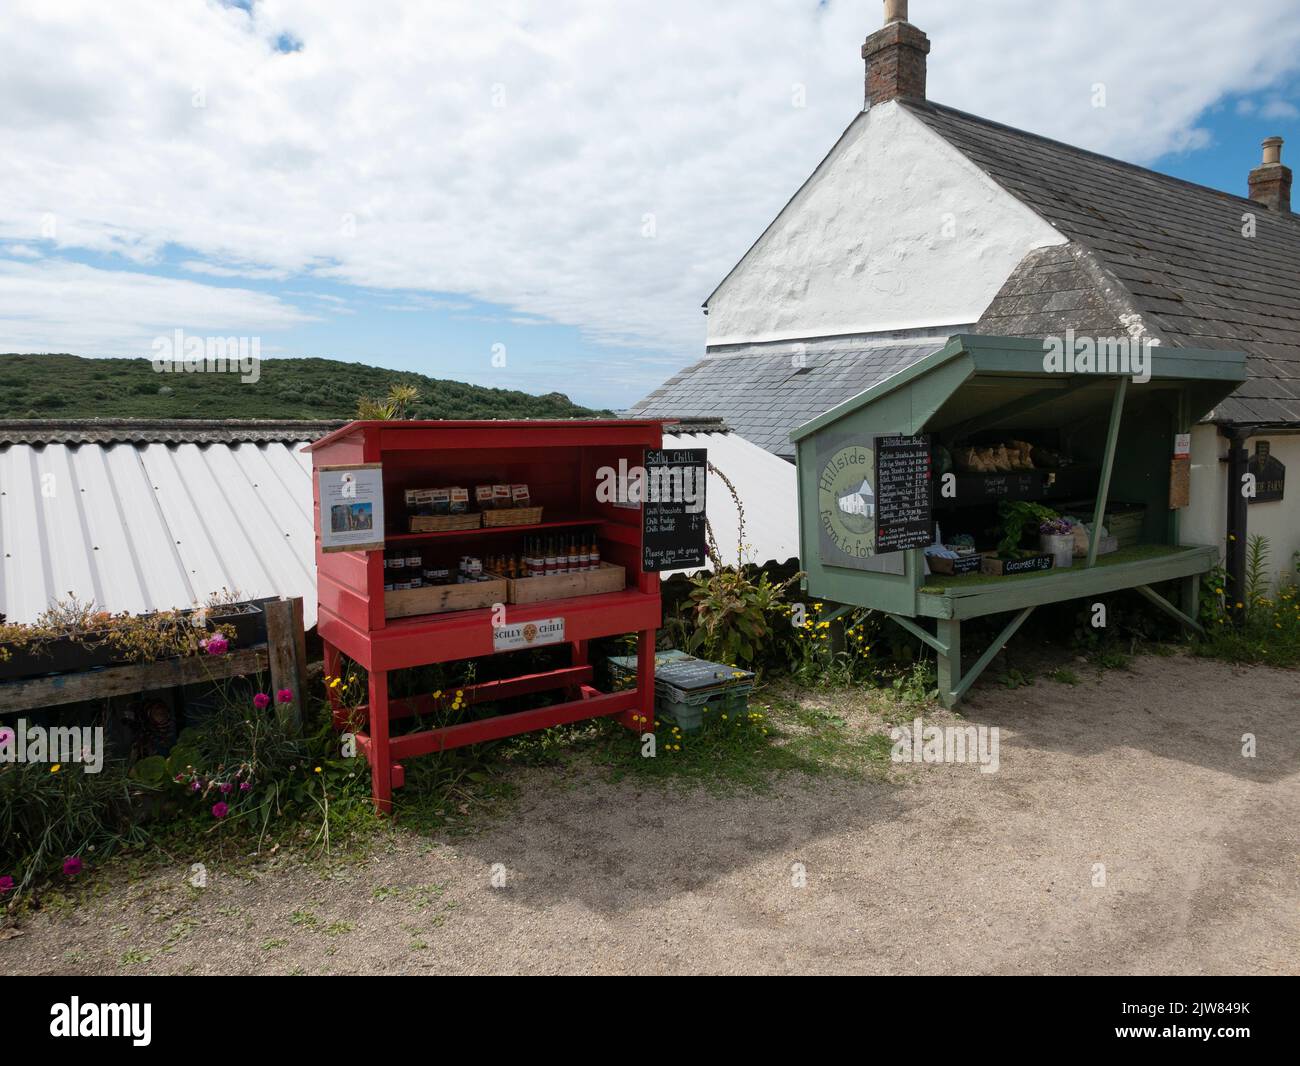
(895, 57)
(1270, 182)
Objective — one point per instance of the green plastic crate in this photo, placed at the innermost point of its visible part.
(727, 691)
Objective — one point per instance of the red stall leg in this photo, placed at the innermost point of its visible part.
(381, 768)
(642, 719)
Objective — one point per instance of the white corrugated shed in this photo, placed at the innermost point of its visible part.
(768, 490)
(140, 526)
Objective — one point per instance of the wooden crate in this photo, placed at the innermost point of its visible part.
(435, 599)
(513, 516)
(609, 578)
(963, 564)
(443, 523)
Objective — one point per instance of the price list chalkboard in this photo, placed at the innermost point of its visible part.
(903, 518)
(672, 516)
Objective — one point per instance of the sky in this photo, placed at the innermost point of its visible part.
(533, 195)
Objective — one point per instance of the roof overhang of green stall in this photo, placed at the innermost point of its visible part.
(979, 382)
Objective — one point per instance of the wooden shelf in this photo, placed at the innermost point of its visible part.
(446, 534)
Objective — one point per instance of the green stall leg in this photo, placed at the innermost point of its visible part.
(949, 633)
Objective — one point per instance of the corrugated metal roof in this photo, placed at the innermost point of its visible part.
(767, 486)
(163, 430)
(140, 527)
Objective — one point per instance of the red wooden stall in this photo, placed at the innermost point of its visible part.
(559, 461)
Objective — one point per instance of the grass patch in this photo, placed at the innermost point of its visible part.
(1063, 675)
(780, 734)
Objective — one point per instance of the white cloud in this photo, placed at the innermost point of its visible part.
(244, 270)
(57, 306)
(378, 155)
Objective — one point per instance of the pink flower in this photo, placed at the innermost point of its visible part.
(72, 866)
(261, 701)
(244, 786)
(6, 736)
(6, 883)
(216, 645)
(226, 786)
(219, 810)
(285, 695)
(196, 786)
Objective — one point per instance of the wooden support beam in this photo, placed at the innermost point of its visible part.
(287, 648)
(491, 691)
(1149, 593)
(921, 634)
(1107, 464)
(509, 725)
(998, 644)
(37, 693)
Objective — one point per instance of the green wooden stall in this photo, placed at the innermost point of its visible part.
(1112, 435)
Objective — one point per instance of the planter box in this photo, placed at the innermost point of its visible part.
(247, 619)
(435, 599)
(991, 564)
(964, 564)
(62, 655)
(609, 578)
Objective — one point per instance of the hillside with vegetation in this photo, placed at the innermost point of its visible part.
(69, 386)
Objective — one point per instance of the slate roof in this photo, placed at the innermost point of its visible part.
(764, 395)
(1144, 243)
(1145, 249)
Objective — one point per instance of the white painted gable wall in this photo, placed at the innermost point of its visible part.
(862, 246)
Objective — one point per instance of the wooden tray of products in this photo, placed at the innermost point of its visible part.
(513, 516)
(435, 599)
(963, 564)
(443, 523)
(609, 578)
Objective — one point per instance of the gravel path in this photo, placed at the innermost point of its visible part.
(939, 869)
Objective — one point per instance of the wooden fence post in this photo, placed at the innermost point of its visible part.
(287, 650)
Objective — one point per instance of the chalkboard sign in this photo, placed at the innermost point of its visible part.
(672, 517)
(903, 518)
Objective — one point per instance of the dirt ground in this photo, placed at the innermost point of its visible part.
(937, 869)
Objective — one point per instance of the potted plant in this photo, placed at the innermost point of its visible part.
(1018, 518)
(1056, 538)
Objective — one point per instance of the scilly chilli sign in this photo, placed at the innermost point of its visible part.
(527, 634)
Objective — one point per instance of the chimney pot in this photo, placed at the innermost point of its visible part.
(1270, 182)
(895, 58)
